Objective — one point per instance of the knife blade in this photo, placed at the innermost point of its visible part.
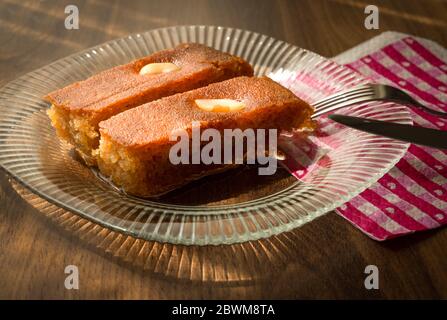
(404, 132)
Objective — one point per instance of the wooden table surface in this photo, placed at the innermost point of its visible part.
(324, 259)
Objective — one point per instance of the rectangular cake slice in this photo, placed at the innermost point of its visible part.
(135, 145)
(78, 108)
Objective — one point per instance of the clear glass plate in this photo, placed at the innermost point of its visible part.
(232, 207)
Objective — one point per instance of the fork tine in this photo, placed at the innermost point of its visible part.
(342, 97)
(337, 96)
(343, 100)
(342, 105)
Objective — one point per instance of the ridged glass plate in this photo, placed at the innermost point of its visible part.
(232, 207)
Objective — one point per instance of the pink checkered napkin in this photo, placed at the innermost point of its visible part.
(413, 195)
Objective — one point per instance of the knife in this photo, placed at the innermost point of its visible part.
(417, 135)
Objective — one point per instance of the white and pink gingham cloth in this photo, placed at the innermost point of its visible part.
(413, 195)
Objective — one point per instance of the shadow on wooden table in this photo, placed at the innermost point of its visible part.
(296, 264)
(408, 240)
(230, 264)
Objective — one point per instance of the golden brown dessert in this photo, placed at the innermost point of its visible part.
(135, 145)
(78, 108)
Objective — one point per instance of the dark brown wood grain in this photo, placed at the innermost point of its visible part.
(324, 259)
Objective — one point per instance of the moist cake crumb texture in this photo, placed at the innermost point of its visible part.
(78, 108)
(134, 147)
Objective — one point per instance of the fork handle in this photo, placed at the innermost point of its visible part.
(416, 104)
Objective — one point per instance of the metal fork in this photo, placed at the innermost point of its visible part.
(365, 93)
